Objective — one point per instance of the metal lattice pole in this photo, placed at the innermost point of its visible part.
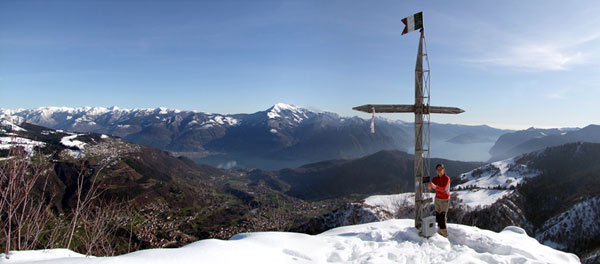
(419, 111)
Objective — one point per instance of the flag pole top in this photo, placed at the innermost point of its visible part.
(412, 23)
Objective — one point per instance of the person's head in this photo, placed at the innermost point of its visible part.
(440, 169)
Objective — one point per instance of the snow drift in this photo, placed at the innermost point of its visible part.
(392, 241)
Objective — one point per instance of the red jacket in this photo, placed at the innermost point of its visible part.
(442, 187)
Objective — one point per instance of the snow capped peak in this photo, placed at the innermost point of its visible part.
(287, 111)
(278, 107)
(162, 110)
(97, 110)
(53, 109)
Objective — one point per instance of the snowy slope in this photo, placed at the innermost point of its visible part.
(393, 241)
(402, 204)
(71, 141)
(384, 207)
(375, 208)
(471, 199)
(392, 202)
(580, 221)
(489, 183)
(505, 174)
(7, 126)
(468, 198)
(476, 192)
(27, 144)
(396, 205)
(9, 130)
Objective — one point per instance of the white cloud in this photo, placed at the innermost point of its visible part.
(539, 54)
(531, 57)
(542, 44)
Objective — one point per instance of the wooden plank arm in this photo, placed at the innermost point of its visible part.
(394, 108)
(445, 110)
(381, 108)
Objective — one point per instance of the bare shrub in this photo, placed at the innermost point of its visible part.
(23, 209)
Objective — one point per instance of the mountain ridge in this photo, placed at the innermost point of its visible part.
(531, 139)
(281, 136)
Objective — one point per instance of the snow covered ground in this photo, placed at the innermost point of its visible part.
(469, 200)
(391, 203)
(392, 241)
(27, 144)
(474, 198)
(478, 190)
(505, 174)
(71, 141)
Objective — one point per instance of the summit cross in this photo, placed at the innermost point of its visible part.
(422, 111)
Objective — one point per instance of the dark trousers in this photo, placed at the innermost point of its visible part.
(441, 212)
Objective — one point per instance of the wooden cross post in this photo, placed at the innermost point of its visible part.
(421, 108)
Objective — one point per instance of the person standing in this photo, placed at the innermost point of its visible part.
(441, 183)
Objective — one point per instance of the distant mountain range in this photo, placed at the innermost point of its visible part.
(524, 141)
(281, 136)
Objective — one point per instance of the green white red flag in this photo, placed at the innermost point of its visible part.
(412, 23)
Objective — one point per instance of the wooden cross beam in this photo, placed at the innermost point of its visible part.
(395, 108)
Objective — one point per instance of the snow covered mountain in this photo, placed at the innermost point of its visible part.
(392, 241)
(551, 193)
(524, 141)
(510, 140)
(579, 222)
(9, 137)
(487, 184)
(282, 136)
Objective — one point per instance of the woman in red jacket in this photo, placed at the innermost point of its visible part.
(441, 183)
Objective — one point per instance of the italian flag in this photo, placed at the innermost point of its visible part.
(412, 23)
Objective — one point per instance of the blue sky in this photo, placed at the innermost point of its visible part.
(509, 64)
